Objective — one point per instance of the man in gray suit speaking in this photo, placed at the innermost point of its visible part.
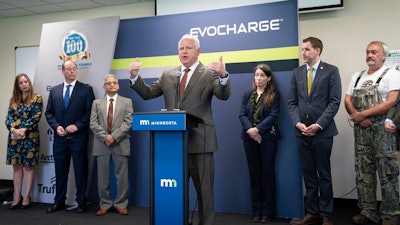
(198, 85)
(111, 122)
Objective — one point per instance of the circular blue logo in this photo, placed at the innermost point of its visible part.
(74, 44)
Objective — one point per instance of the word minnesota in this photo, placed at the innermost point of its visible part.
(157, 123)
(227, 29)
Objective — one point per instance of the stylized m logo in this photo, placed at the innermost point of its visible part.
(168, 183)
(144, 122)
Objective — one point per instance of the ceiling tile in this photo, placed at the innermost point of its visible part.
(14, 8)
(15, 12)
(116, 2)
(24, 3)
(46, 8)
(85, 4)
(5, 6)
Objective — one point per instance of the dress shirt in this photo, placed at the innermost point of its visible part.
(114, 102)
(70, 88)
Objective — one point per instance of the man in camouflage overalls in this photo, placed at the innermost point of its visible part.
(369, 97)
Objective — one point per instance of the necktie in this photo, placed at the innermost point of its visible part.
(309, 80)
(182, 86)
(110, 115)
(66, 96)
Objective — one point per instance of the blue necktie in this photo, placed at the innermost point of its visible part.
(66, 96)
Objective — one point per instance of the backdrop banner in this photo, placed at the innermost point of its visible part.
(244, 36)
(91, 44)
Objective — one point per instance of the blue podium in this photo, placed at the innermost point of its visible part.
(168, 163)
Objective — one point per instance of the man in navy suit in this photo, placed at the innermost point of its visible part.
(314, 99)
(68, 114)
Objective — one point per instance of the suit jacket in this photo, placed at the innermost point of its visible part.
(322, 104)
(268, 118)
(202, 86)
(77, 111)
(121, 126)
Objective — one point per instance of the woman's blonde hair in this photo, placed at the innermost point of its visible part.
(17, 97)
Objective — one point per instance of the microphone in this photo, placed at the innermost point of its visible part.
(178, 80)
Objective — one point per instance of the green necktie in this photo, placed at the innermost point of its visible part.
(309, 80)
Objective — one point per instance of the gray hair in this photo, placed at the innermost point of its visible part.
(383, 45)
(109, 75)
(188, 36)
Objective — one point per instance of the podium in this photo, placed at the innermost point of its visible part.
(168, 163)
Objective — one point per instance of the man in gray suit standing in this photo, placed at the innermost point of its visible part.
(111, 122)
(314, 99)
(198, 85)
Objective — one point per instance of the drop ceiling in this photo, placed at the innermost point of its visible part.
(17, 8)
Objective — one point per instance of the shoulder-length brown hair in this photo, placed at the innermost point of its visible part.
(17, 97)
(270, 88)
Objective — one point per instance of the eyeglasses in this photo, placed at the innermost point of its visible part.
(70, 69)
(110, 83)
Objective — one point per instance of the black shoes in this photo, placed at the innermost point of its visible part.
(81, 208)
(264, 219)
(27, 205)
(20, 205)
(56, 207)
(16, 206)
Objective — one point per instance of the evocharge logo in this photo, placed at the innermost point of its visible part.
(237, 28)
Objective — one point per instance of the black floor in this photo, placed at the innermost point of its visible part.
(36, 215)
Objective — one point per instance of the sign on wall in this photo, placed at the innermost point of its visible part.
(90, 43)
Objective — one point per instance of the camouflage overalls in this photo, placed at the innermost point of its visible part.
(375, 151)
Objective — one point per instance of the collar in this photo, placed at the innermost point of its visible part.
(114, 97)
(315, 66)
(192, 67)
(73, 83)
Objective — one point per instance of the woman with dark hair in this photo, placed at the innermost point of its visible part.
(22, 121)
(258, 115)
